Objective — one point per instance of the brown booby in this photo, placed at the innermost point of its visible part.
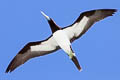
(61, 38)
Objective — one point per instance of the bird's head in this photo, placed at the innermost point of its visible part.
(47, 17)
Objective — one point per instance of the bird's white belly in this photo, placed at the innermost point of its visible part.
(62, 40)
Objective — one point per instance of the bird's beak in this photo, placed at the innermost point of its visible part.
(48, 18)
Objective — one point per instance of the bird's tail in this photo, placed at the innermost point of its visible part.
(72, 56)
(75, 61)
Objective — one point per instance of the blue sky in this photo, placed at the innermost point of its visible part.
(98, 51)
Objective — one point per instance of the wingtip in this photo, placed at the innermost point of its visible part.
(115, 10)
(8, 70)
(11, 66)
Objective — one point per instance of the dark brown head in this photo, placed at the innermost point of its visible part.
(52, 24)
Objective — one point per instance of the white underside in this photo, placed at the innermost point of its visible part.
(80, 26)
(62, 37)
(45, 46)
(77, 28)
(62, 40)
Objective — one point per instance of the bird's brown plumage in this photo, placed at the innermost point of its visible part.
(25, 54)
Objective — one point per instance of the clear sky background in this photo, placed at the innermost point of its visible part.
(98, 51)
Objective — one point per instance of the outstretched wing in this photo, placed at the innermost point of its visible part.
(33, 49)
(85, 21)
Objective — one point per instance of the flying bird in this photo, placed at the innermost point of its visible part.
(61, 38)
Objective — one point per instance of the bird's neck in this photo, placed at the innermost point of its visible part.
(53, 26)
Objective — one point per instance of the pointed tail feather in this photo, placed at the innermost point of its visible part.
(74, 59)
